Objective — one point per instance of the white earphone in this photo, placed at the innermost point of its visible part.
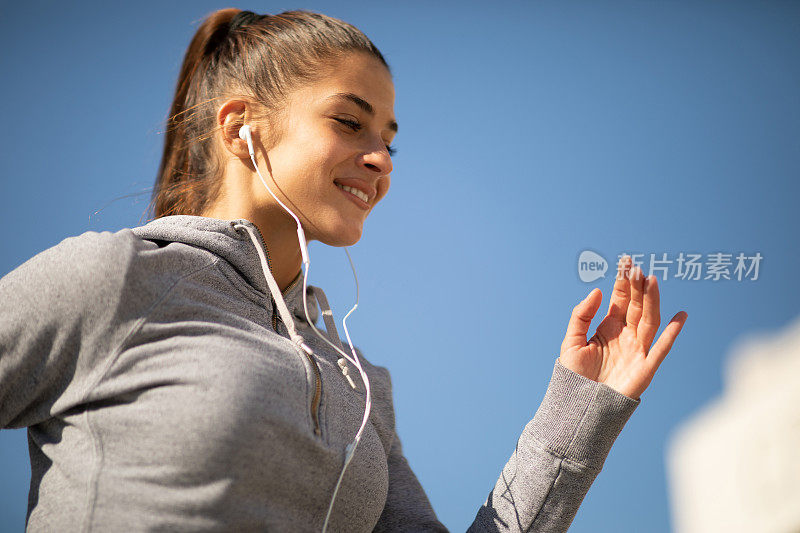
(245, 134)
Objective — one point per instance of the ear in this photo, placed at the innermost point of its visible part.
(231, 116)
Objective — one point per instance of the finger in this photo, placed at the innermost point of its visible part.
(621, 294)
(636, 304)
(581, 319)
(651, 314)
(664, 343)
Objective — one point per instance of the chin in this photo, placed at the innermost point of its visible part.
(343, 237)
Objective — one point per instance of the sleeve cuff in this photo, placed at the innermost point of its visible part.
(580, 419)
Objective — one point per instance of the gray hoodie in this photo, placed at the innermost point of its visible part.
(162, 390)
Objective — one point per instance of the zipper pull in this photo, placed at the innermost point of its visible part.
(342, 362)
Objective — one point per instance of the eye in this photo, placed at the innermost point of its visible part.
(355, 126)
(352, 124)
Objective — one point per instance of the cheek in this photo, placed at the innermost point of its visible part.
(382, 187)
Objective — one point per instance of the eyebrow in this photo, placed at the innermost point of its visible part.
(363, 104)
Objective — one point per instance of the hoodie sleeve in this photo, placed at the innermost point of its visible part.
(557, 457)
(65, 313)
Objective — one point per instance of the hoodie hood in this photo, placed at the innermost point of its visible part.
(222, 238)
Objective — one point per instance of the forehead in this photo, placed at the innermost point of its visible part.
(357, 74)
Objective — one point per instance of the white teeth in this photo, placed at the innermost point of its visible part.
(352, 190)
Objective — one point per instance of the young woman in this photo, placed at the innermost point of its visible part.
(172, 376)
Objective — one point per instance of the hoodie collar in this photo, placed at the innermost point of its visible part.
(221, 238)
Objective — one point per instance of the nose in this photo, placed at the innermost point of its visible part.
(377, 159)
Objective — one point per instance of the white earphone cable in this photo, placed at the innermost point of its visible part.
(244, 133)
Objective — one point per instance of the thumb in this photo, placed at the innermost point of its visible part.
(581, 319)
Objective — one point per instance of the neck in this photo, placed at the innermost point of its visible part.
(242, 195)
(283, 250)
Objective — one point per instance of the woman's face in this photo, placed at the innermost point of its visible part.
(334, 134)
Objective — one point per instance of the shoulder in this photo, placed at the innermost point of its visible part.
(380, 380)
(73, 261)
(379, 376)
(94, 271)
(79, 260)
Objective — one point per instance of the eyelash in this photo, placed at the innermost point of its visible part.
(355, 126)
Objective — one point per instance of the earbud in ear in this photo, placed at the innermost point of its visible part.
(244, 134)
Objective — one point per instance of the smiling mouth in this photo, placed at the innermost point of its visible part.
(362, 195)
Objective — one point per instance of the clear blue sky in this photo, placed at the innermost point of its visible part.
(529, 132)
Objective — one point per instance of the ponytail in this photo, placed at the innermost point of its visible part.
(180, 185)
(256, 57)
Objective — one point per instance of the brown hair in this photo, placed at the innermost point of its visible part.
(260, 58)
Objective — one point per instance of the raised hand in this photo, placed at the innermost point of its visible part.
(619, 352)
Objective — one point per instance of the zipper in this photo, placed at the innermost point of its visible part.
(317, 399)
(317, 394)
